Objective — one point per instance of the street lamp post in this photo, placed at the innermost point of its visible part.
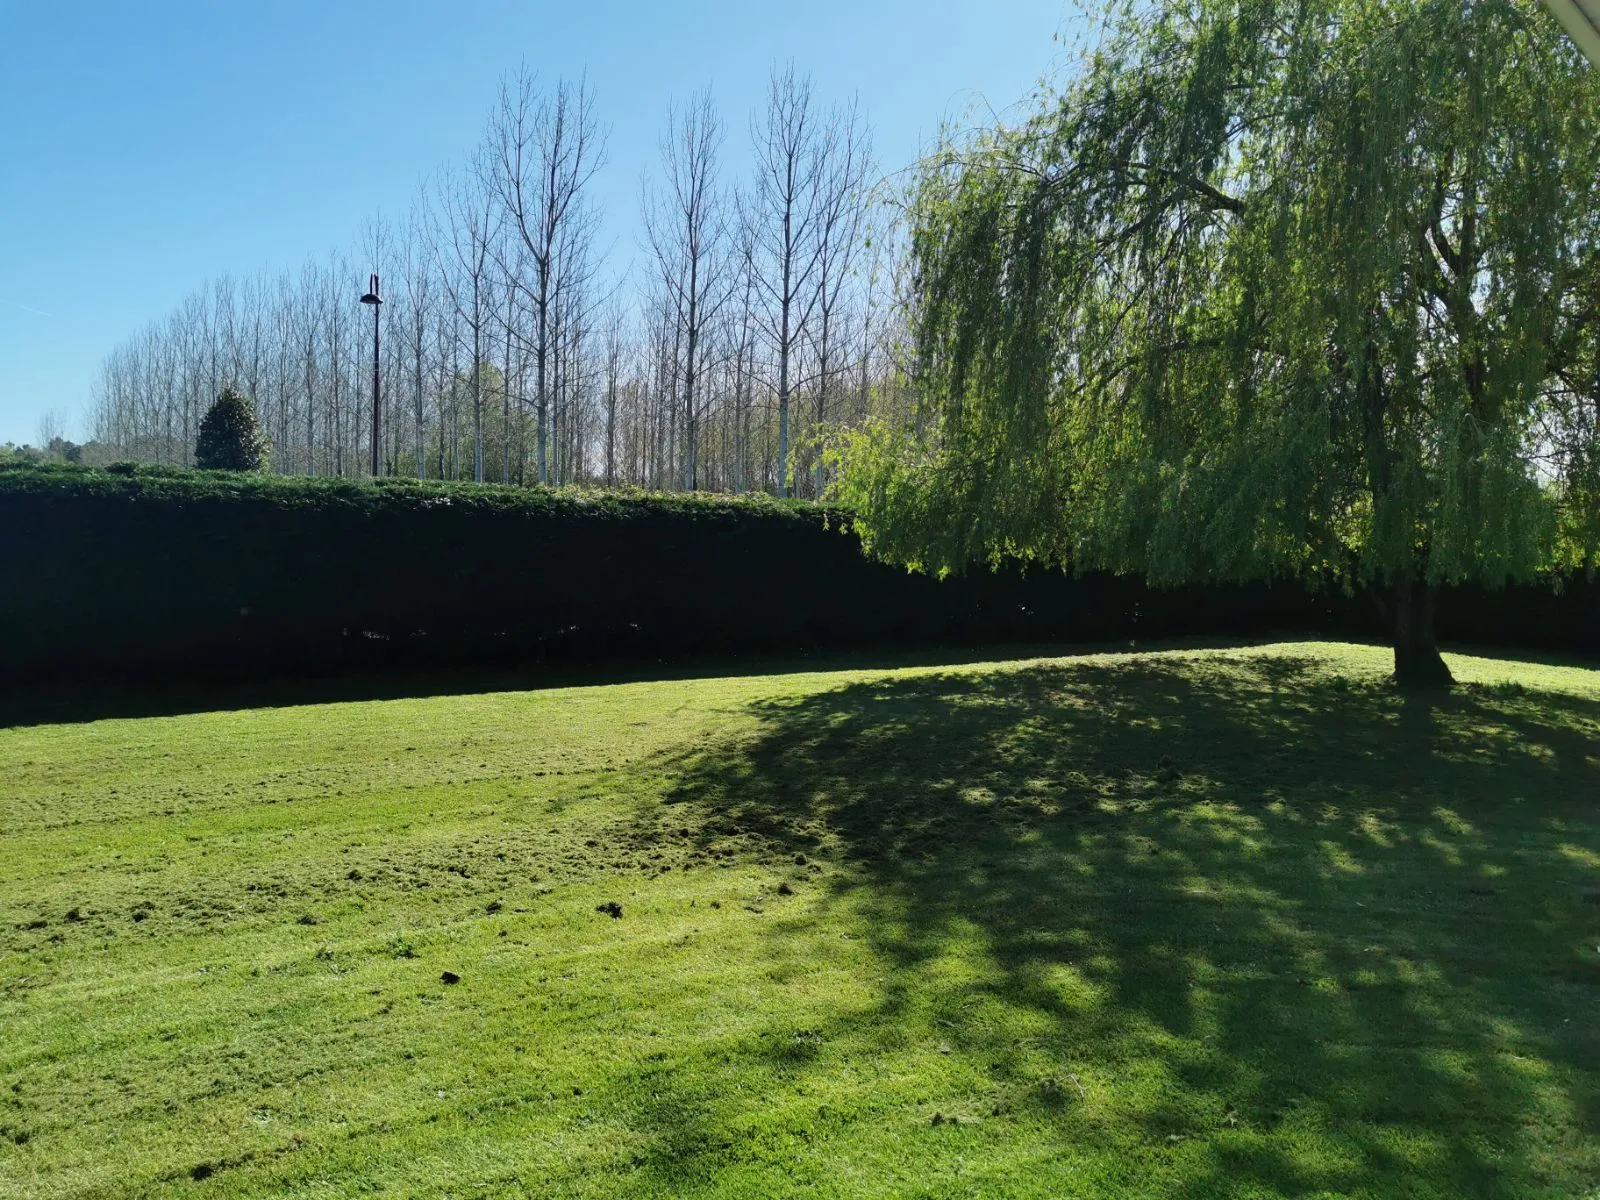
(375, 300)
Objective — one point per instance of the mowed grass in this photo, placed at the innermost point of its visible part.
(1202, 923)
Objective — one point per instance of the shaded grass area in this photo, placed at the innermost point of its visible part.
(74, 701)
(1204, 923)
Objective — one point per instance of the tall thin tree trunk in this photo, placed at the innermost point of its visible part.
(422, 460)
(783, 390)
(505, 405)
(477, 393)
(540, 368)
(611, 430)
(690, 481)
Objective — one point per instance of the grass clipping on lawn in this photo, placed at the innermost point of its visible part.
(1216, 923)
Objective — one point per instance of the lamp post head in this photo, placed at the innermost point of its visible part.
(372, 296)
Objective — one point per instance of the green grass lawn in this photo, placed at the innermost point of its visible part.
(1202, 923)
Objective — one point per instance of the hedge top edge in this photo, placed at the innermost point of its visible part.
(130, 481)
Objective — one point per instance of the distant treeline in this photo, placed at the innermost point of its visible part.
(755, 322)
(154, 573)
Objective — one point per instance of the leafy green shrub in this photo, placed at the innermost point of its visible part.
(230, 438)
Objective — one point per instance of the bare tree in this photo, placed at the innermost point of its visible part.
(330, 300)
(784, 213)
(841, 212)
(418, 281)
(507, 316)
(471, 215)
(615, 338)
(743, 375)
(51, 424)
(731, 353)
(308, 325)
(547, 148)
(281, 373)
(685, 227)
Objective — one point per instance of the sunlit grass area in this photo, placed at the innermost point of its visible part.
(1202, 923)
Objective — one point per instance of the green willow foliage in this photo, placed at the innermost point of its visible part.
(1275, 287)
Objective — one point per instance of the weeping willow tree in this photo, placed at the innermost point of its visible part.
(1273, 288)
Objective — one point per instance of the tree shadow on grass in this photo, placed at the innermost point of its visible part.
(1320, 937)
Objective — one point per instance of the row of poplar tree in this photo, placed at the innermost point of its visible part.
(756, 324)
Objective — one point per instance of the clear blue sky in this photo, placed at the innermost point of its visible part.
(146, 146)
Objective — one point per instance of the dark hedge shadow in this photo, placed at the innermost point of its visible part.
(71, 700)
(1351, 924)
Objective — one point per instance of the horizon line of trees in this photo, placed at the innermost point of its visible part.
(755, 325)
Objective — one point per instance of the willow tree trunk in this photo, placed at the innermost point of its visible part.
(1409, 609)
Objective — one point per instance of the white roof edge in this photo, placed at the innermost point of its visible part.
(1581, 19)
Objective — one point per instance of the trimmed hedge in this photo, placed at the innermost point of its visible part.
(150, 572)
